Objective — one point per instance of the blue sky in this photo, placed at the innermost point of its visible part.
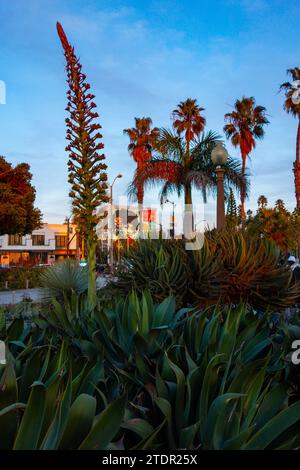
(142, 58)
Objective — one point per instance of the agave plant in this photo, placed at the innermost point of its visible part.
(229, 395)
(136, 332)
(56, 402)
(158, 265)
(63, 279)
(286, 329)
(234, 266)
(72, 318)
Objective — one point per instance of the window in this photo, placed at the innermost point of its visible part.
(15, 239)
(38, 240)
(61, 241)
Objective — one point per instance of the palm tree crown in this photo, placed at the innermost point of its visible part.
(245, 124)
(142, 139)
(292, 105)
(187, 118)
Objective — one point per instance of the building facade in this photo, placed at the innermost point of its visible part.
(46, 245)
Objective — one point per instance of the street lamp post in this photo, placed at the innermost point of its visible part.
(111, 246)
(219, 156)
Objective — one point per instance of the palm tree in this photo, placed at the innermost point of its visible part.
(244, 125)
(177, 173)
(262, 202)
(292, 106)
(187, 119)
(142, 141)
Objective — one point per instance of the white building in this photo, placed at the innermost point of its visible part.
(44, 246)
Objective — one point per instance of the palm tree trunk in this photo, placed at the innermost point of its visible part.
(140, 198)
(244, 158)
(298, 143)
(188, 195)
(187, 150)
(297, 168)
(91, 260)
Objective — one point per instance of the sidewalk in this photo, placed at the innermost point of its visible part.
(12, 297)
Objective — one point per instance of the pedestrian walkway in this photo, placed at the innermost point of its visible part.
(12, 297)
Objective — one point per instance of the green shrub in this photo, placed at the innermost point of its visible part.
(136, 332)
(222, 387)
(17, 278)
(161, 266)
(231, 267)
(145, 375)
(63, 279)
(55, 407)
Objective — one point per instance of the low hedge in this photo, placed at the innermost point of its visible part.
(16, 278)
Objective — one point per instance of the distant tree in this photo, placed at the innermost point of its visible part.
(87, 174)
(232, 213)
(277, 224)
(17, 196)
(262, 202)
(292, 106)
(280, 206)
(243, 126)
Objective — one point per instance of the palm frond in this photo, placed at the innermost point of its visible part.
(158, 171)
(132, 192)
(169, 188)
(170, 145)
(203, 146)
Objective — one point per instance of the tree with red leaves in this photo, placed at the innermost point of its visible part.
(245, 124)
(17, 212)
(143, 139)
(87, 174)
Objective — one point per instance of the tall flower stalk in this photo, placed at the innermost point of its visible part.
(87, 174)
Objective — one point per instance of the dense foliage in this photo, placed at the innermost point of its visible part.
(20, 278)
(275, 223)
(141, 375)
(231, 267)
